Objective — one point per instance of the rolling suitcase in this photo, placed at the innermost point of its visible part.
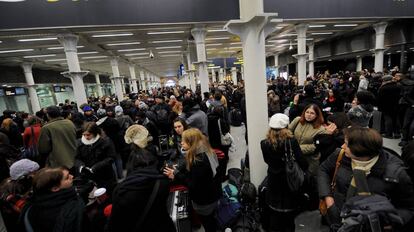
(179, 208)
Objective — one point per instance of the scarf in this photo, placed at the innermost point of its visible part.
(90, 142)
(362, 166)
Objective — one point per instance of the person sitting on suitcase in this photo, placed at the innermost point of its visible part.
(140, 201)
(200, 175)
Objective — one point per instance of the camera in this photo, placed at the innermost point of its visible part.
(151, 55)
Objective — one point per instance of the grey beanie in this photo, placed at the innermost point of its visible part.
(22, 168)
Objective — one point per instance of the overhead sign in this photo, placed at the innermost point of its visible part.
(67, 13)
(320, 9)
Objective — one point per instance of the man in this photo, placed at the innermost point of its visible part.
(57, 141)
(407, 103)
(89, 114)
(193, 116)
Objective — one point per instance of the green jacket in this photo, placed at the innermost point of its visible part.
(57, 143)
(305, 134)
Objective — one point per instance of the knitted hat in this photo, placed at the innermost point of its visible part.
(118, 110)
(22, 168)
(138, 135)
(87, 108)
(279, 121)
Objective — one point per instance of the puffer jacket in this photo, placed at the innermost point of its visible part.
(360, 115)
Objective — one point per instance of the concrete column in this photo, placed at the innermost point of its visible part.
(252, 30)
(242, 72)
(379, 46)
(403, 59)
(123, 85)
(98, 85)
(234, 75)
(311, 47)
(358, 63)
(191, 74)
(276, 57)
(75, 74)
(142, 76)
(221, 75)
(213, 75)
(117, 79)
(31, 87)
(199, 34)
(134, 87)
(301, 55)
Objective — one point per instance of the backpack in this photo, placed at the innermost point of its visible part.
(161, 115)
(236, 117)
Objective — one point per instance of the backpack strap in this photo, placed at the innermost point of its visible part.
(338, 163)
(148, 206)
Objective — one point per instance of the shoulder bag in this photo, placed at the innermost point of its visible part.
(227, 139)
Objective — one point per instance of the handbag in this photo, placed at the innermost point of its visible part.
(323, 208)
(295, 176)
(227, 139)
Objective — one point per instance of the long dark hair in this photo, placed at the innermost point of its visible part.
(319, 117)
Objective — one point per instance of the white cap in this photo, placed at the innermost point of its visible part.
(99, 192)
(279, 121)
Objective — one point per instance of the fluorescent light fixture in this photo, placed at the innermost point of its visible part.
(12, 0)
(216, 44)
(213, 67)
(112, 35)
(138, 58)
(60, 48)
(1, 41)
(289, 34)
(412, 48)
(279, 28)
(132, 49)
(39, 56)
(389, 53)
(37, 39)
(322, 33)
(216, 30)
(137, 54)
(210, 49)
(167, 52)
(306, 39)
(278, 41)
(86, 53)
(317, 26)
(236, 43)
(168, 41)
(398, 51)
(122, 44)
(345, 25)
(93, 57)
(217, 38)
(269, 45)
(17, 50)
(164, 32)
(55, 60)
(235, 48)
(171, 55)
(170, 47)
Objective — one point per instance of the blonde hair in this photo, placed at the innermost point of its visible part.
(6, 124)
(198, 143)
(275, 136)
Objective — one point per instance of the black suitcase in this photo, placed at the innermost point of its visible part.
(179, 209)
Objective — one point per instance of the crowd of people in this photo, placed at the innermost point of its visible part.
(134, 149)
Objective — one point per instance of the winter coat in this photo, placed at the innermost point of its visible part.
(60, 211)
(361, 115)
(388, 97)
(98, 156)
(196, 118)
(304, 135)
(14, 135)
(28, 136)
(279, 196)
(387, 177)
(124, 122)
(214, 131)
(57, 143)
(131, 197)
(407, 92)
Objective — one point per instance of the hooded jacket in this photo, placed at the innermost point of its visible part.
(361, 114)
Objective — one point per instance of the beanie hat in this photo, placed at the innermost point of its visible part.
(87, 108)
(279, 121)
(138, 135)
(22, 168)
(101, 112)
(118, 110)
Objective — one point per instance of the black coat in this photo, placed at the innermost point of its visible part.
(387, 178)
(214, 131)
(131, 197)
(57, 211)
(99, 156)
(279, 195)
(388, 97)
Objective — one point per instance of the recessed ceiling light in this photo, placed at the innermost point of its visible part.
(87, 53)
(164, 32)
(322, 33)
(216, 44)
(170, 47)
(345, 25)
(122, 44)
(37, 39)
(38, 56)
(167, 52)
(93, 57)
(217, 38)
(17, 50)
(132, 49)
(317, 26)
(112, 35)
(59, 48)
(55, 60)
(216, 30)
(168, 41)
(137, 54)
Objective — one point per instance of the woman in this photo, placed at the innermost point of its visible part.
(305, 128)
(334, 101)
(200, 176)
(55, 205)
(10, 128)
(179, 127)
(283, 202)
(32, 132)
(131, 197)
(362, 110)
(95, 156)
(385, 174)
(273, 103)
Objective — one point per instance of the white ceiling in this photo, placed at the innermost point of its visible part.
(95, 52)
